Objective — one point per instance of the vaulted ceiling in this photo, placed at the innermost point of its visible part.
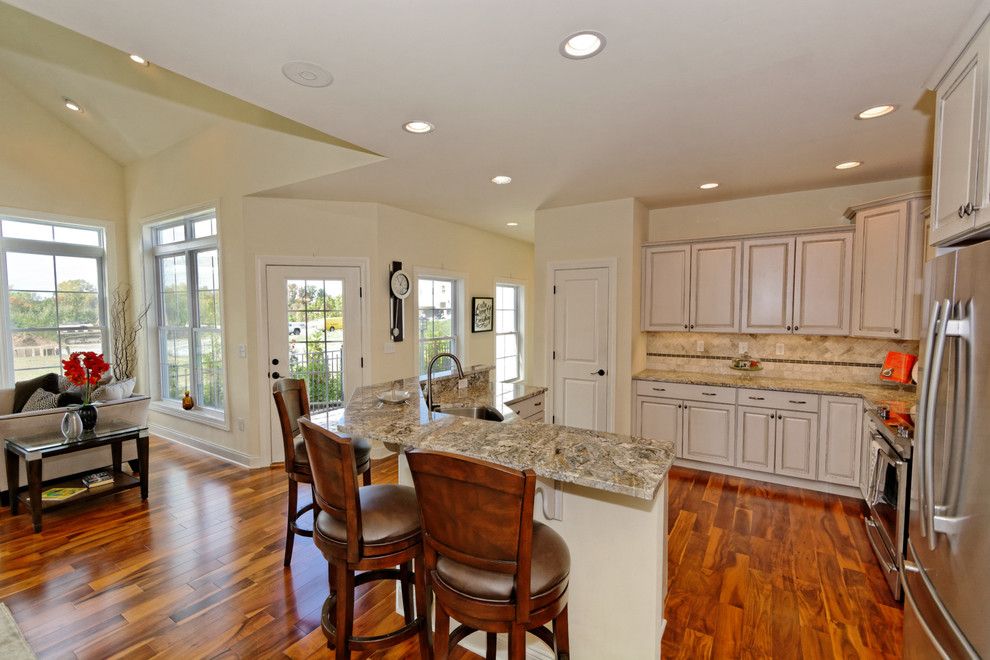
(759, 96)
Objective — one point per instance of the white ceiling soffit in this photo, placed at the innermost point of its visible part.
(759, 96)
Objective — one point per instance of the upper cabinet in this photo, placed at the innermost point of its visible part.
(959, 176)
(666, 306)
(822, 283)
(715, 286)
(767, 284)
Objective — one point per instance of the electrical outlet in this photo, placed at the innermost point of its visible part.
(779, 348)
(242, 350)
(700, 346)
(240, 423)
(743, 347)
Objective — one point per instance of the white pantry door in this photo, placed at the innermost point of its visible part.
(314, 333)
(581, 341)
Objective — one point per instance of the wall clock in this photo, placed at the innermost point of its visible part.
(399, 288)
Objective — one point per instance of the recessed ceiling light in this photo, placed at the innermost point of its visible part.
(848, 165)
(418, 126)
(71, 105)
(876, 111)
(307, 74)
(512, 224)
(501, 180)
(708, 186)
(137, 59)
(582, 45)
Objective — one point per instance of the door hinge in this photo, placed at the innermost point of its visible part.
(362, 363)
(360, 292)
(554, 289)
(553, 419)
(555, 355)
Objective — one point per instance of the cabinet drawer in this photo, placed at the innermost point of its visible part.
(528, 407)
(536, 417)
(779, 400)
(686, 391)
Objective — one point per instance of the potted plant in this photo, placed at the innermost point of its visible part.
(84, 370)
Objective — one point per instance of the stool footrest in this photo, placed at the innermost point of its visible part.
(371, 642)
(302, 531)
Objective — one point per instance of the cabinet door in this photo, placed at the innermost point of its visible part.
(960, 124)
(880, 273)
(797, 444)
(709, 432)
(840, 440)
(823, 283)
(659, 419)
(666, 278)
(755, 438)
(715, 286)
(767, 284)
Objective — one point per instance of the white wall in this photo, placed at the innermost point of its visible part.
(797, 210)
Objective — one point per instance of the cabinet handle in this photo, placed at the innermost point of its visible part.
(538, 403)
(969, 208)
(709, 393)
(659, 389)
(959, 211)
(757, 398)
(798, 402)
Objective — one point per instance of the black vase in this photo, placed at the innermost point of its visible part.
(87, 413)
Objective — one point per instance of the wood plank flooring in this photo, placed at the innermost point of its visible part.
(755, 571)
(758, 571)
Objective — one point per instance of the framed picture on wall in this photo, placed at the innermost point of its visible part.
(482, 314)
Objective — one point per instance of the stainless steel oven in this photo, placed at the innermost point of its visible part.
(887, 495)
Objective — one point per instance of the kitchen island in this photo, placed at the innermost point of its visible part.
(604, 493)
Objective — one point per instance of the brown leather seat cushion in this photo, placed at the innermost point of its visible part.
(388, 513)
(551, 565)
(362, 451)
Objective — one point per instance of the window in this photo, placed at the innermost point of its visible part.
(508, 332)
(438, 321)
(190, 339)
(54, 291)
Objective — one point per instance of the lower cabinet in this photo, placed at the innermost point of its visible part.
(840, 454)
(709, 432)
(659, 419)
(756, 439)
(797, 444)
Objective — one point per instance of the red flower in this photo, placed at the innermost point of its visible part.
(85, 369)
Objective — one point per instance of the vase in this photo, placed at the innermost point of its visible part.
(87, 413)
(72, 426)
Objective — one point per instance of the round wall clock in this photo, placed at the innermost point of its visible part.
(399, 284)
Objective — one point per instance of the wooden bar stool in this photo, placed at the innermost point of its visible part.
(372, 529)
(490, 566)
(291, 402)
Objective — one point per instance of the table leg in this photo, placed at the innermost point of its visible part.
(34, 491)
(116, 451)
(142, 450)
(13, 479)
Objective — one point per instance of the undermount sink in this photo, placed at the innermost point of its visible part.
(486, 413)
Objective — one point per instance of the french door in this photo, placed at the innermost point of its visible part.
(314, 333)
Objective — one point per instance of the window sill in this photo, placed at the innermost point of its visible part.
(217, 420)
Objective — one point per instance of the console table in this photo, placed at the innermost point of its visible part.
(35, 449)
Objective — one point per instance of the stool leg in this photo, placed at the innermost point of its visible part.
(422, 608)
(560, 635)
(291, 522)
(441, 634)
(517, 642)
(491, 645)
(345, 611)
(367, 476)
(405, 583)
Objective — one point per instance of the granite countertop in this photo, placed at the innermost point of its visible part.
(873, 395)
(605, 461)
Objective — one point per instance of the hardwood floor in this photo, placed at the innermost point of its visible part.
(195, 572)
(755, 571)
(758, 570)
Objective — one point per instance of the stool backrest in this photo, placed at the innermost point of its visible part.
(291, 403)
(335, 481)
(476, 513)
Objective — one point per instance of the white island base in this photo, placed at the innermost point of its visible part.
(618, 580)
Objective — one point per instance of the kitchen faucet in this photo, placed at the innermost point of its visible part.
(429, 377)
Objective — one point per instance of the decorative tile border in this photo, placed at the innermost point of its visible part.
(872, 365)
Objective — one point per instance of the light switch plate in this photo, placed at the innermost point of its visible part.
(779, 348)
(242, 350)
(700, 346)
(389, 347)
(743, 346)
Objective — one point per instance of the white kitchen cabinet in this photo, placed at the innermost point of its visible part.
(959, 175)
(797, 444)
(767, 284)
(709, 432)
(841, 433)
(880, 272)
(666, 287)
(865, 457)
(823, 283)
(659, 419)
(715, 286)
(531, 408)
(756, 438)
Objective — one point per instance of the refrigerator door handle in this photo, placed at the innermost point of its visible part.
(920, 439)
(928, 454)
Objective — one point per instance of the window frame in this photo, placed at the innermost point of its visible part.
(520, 329)
(457, 319)
(190, 248)
(55, 249)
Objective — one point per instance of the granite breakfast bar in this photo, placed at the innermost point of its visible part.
(606, 494)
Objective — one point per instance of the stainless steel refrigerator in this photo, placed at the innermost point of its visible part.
(946, 570)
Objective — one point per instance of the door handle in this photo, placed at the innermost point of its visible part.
(600, 372)
(928, 455)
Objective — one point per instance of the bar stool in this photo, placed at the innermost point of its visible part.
(490, 566)
(372, 529)
(291, 402)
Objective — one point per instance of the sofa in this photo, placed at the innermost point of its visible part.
(132, 410)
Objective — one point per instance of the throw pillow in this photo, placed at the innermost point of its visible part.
(115, 391)
(41, 400)
(26, 388)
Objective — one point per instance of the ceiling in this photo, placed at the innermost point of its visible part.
(757, 95)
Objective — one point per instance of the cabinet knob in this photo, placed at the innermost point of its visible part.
(968, 209)
(685, 326)
(796, 328)
(896, 331)
(788, 327)
(959, 211)
(692, 326)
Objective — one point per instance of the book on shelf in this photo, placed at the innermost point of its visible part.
(59, 494)
(98, 479)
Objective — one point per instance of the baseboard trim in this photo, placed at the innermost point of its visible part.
(780, 480)
(204, 446)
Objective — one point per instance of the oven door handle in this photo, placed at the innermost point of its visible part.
(881, 555)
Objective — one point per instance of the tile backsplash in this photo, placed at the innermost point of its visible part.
(811, 357)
